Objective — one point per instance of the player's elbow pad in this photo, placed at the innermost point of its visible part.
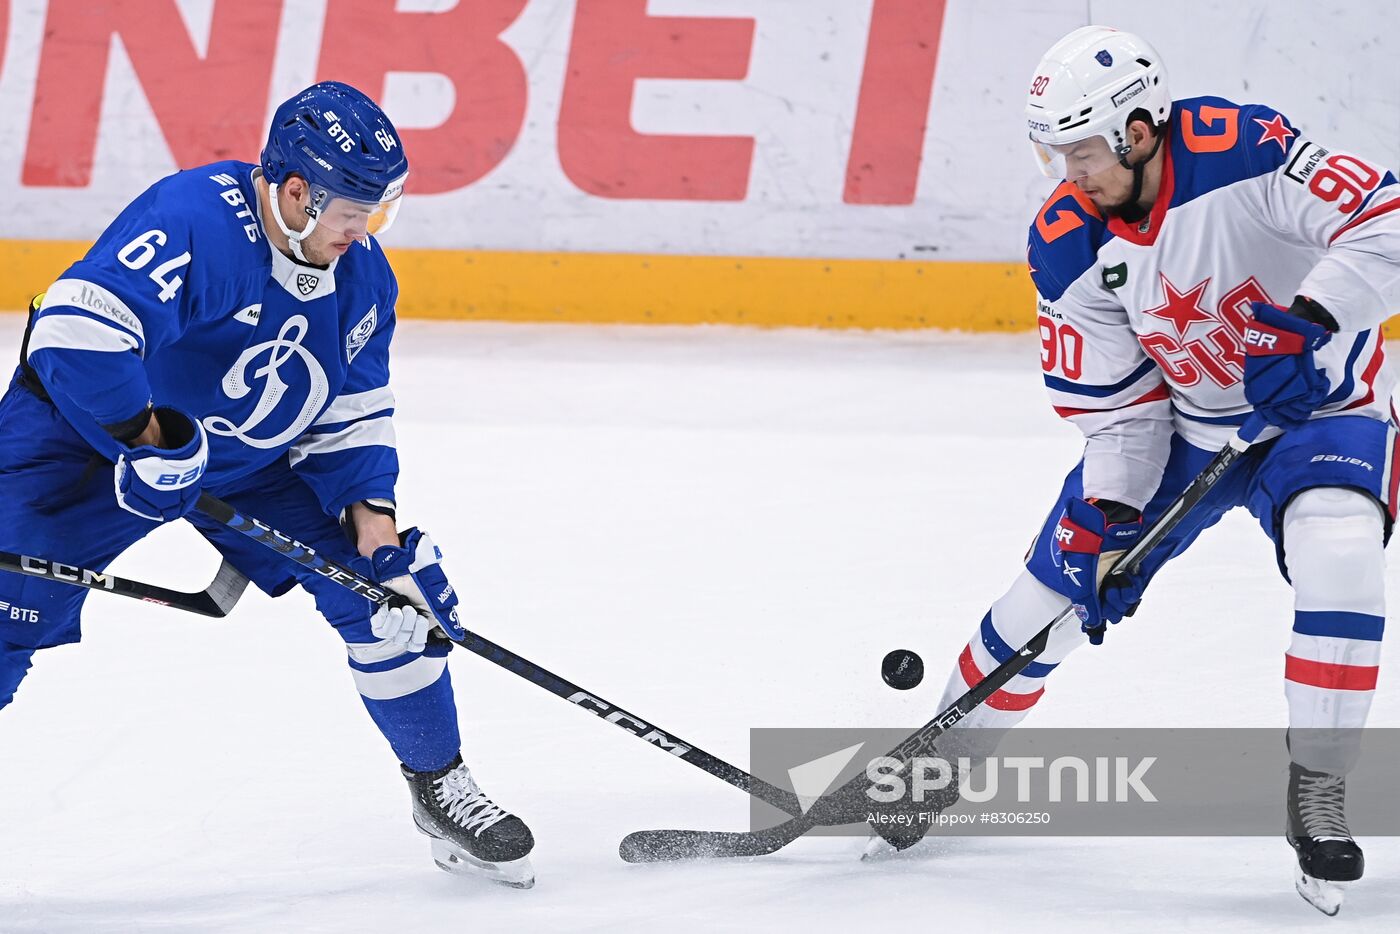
(111, 387)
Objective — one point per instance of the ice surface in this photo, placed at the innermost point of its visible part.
(717, 529)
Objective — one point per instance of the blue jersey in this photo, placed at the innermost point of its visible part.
(183, 302)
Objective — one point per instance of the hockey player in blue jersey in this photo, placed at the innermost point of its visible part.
(1202, 262)
(230, 332)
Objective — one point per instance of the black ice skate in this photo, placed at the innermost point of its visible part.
(902, 824)
(1317, 830)
(470, 832)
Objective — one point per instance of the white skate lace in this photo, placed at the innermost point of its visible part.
(465, 803)
(1320, 805)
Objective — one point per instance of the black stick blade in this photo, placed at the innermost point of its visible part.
(665, 846)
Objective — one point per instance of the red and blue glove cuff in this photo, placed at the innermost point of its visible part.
(1277, 331)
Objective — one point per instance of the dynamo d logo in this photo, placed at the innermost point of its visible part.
(360, 335)
(302, 370)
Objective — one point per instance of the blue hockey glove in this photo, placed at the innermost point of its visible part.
(413, 570)
(1087, 543)
(1281, 380)
(161, 484)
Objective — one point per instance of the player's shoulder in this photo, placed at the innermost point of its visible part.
(1217, 142)
(215, 206)
(1064, 240)
(185, 232)
(196, 193)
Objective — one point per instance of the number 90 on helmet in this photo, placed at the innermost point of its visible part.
(1084, 90)
(349, 154)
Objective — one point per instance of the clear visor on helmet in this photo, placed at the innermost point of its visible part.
(348, 217)
(1078, 159)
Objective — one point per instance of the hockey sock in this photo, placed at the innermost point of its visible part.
(410, 699)
(1013, 619)
(1333, 542)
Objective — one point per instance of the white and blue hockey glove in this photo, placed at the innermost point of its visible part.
(161, 484)
(413, 570)
(1087, 542)
(1281, 380)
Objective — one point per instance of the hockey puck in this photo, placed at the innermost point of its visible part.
(902, 669)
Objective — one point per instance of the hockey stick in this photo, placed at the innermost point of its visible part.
(222, 512)
(216, 600)
(849, 804)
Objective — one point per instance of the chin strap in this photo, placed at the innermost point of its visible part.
(1132, 211)
(294, 238)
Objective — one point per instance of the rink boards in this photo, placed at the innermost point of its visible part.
(827, 163)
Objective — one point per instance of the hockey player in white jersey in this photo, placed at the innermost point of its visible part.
(1201, 261)
(230, 332)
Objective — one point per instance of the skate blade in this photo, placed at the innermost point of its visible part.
(877, 850)
(1325, 896)
(517, 873)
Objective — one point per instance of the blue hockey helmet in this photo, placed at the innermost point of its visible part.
(350, 155)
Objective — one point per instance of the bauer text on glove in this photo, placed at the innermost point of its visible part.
(163, 483)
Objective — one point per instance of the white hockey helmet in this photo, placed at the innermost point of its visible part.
(1082, 93)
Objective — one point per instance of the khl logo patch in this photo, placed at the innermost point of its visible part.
(306, 283)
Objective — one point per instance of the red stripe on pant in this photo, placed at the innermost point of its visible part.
(1330, 677)
(1000, 700)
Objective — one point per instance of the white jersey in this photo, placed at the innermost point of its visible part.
(1142, 324)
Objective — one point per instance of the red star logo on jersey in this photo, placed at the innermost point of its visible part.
(1182, 309)
(1275, 130)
